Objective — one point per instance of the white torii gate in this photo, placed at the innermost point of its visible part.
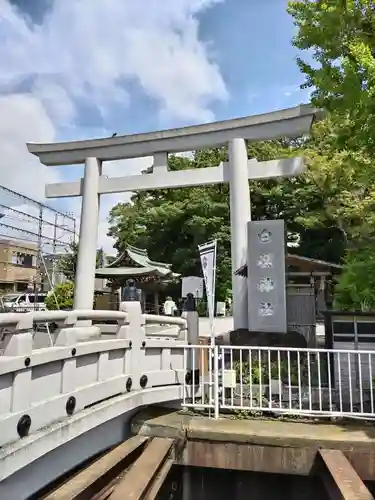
(291, 122)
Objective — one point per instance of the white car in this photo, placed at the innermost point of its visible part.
(24, 302)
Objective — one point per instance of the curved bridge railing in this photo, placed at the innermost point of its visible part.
(40, 386)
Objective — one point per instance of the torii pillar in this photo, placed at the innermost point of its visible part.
(240, 214)
(291, 122)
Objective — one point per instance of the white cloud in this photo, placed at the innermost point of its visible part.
(92, 47)
(87, 52)
(23, 118)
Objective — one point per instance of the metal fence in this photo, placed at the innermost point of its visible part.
(310, 382)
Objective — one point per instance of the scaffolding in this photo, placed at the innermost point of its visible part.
(23, 219)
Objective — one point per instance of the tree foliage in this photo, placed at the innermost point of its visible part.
(341, 38)
(170, 224)
(356, 287)
(61, 297)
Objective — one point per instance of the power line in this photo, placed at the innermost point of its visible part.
(31, 233)
(17, 240)
(35, 218)
(37, 203)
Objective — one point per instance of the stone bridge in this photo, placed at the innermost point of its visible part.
(63, 403)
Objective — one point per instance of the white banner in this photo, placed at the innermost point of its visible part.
(207, 254)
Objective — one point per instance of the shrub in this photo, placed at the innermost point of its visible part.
(261, 373)
(61, 297)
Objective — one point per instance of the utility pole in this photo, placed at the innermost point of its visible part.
(53, 281)
(38, 276)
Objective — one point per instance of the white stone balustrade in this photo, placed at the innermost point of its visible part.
(42, 386)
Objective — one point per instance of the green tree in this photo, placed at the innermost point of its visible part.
(170, 224)
(340, 35)
(356, 286)
(61, 297)
(336, 189)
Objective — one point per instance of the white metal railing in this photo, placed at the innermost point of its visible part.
(199, 392)
(315, 382)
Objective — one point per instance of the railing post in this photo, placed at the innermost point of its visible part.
(135, 331)
(216, 381)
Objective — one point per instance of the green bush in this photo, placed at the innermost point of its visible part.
(61, 297)
(261, 374)
(355, 289)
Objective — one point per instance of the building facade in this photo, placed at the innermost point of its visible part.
(18, 265)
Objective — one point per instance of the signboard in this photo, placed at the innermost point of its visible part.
(266, 276)
(194, 285)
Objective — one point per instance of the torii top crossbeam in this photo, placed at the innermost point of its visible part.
(291, 122)
(237, 171)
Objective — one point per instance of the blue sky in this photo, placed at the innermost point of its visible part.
(86, 68)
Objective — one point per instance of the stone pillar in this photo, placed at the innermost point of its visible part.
(86, 262)
(240, 214)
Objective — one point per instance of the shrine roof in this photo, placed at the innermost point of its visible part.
(139, 256)
(119, 272)
(299, 260)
